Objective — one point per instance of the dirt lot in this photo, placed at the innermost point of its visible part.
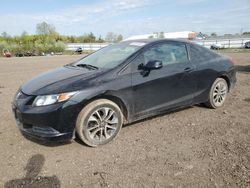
(195, 147)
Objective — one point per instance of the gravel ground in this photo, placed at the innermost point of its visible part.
(194, 147)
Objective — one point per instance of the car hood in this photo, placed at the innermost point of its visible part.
(60, 80)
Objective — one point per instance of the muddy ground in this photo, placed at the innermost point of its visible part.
(194, 147)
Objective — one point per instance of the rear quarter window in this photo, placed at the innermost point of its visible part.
(199, 54)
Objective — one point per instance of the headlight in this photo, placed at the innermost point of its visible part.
(52, 99)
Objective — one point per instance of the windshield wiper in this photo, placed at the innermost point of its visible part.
(88, 66)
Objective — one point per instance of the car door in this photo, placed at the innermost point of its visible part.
(171, 86)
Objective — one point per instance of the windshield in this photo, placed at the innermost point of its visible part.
(110, 56)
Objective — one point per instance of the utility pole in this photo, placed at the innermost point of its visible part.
(241, 31)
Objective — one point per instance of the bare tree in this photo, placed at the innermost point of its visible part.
(45, 29)
(119, 38)
(110, 37)
(161, 35)
(113, 37)
(5, 34)
(213, 35)
(24, 33)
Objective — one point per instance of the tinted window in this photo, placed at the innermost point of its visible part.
(200, 54)
(168, 53)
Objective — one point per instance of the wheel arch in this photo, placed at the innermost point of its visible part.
(117, 100)
(225, 77)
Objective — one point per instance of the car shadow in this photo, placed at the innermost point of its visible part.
(241, 68)
(78, 140)
(32, 178)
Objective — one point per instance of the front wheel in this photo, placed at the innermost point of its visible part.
(218, 93)
(99, 122)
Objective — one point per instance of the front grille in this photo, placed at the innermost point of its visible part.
(27, 126)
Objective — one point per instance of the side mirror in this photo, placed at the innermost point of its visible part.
(154, 64)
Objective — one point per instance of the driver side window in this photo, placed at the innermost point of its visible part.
(167, 53)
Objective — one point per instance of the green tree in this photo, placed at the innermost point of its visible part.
(246, 33)
(3, 45)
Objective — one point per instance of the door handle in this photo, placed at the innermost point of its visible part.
(188, 69)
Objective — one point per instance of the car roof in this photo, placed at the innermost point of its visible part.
(148, 41)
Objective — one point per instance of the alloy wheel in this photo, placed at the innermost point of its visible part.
(102, 124)
(219, 93)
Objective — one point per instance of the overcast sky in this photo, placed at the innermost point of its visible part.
(128, 17)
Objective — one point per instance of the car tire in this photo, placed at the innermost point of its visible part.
(99, 122)
(218, 93)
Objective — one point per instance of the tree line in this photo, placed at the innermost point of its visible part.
(47, 40)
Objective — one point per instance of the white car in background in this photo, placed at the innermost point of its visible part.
(217, 46)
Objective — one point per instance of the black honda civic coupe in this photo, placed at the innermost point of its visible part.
(120, 84)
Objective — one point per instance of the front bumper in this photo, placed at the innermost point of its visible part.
(43, 133)
(55, 123)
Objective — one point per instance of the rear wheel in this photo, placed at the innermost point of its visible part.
(99, 122)
(218, 93)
